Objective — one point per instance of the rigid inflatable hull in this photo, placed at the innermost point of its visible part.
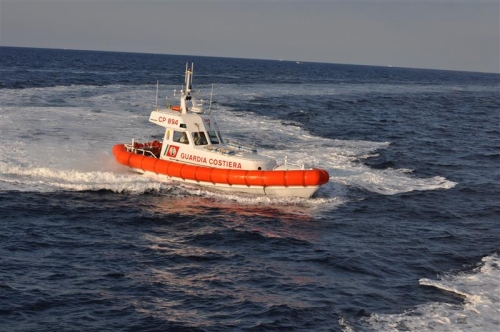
(301, 183)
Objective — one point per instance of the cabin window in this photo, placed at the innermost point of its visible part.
(218, 132)
(180, 137)
(199, 138)
(213, 137)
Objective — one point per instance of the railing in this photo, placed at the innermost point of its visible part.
(241, 147)
(145, 151)
(289, 165)
(220, 150)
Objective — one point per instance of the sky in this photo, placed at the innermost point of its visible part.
(435, 34)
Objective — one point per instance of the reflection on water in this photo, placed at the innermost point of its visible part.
(201, 205)
(225, 256)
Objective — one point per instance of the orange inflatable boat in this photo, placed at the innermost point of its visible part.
(273, 182)
(193, 151)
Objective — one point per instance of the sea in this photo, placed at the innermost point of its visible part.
(405, 236)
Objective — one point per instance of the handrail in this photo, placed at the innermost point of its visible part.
(144, 152)
(220, 150)
(239, 146)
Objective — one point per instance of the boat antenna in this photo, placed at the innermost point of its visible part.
(210, 105)
(192, 72)
(156, 103)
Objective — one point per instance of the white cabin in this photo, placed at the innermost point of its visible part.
(193, 137)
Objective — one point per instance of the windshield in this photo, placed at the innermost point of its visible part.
(213, 137)
(199, 138)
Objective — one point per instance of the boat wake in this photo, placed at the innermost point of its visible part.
(45, 179)
(66, 146)
(341, 158)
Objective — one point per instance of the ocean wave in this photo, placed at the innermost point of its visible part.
(480, 310)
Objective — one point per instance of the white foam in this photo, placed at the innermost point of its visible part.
(72, 129)
(480, 310)
(48, 179)
(339, 158)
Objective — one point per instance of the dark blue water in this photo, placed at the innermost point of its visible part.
(98, 259)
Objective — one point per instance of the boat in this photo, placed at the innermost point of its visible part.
(193, 151)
